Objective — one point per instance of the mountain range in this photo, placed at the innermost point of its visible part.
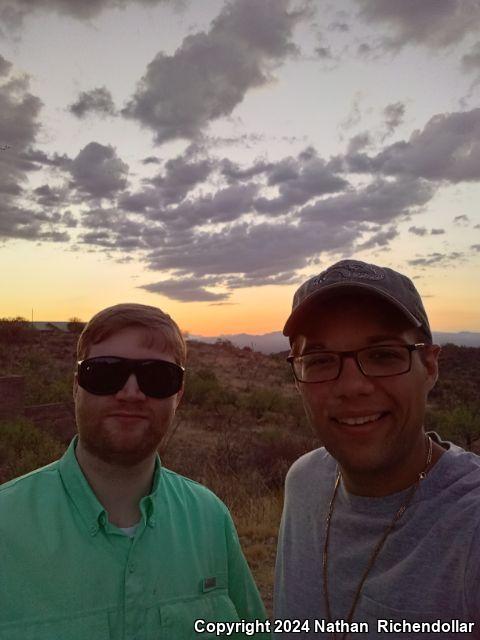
(275, 341)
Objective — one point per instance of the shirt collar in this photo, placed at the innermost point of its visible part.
(89, 507)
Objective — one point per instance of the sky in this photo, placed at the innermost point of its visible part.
(208, 157)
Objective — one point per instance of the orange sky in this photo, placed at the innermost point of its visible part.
(74, 284)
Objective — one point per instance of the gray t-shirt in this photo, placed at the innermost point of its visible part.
(428, 569)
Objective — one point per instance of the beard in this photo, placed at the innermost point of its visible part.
(120, 443)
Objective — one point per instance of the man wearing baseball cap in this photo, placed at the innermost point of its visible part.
(380, 532)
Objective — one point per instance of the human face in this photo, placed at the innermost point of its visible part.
(127, 427)
(390, 448)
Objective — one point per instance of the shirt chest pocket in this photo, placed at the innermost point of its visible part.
(211, 604)
(93, 625)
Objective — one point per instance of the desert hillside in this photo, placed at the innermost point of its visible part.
(240, 426)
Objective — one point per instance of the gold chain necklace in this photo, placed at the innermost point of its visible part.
(377, 549)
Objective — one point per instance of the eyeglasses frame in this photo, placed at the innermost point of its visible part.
(354, 354)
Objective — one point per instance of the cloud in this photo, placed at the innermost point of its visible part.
(437, 232)
(471, 61)
(432, 23)
(463, 220)
(181, 175)
(256, 251)
(19, 126)
(151, 160)
(69, 220)
(98, 171)
(379, 239)
(448, 148)
(140, 201)
(97, 101)
(358, 143)
(5, 66)
(437, 259)
(299, 181)
(207, 241)
(210, 73)
(225, 205)
(187, 289)
(113, 229)
(393, 114)
(34, 159)
(47, 196)
(355, 115)
(339, 25)
(18, 223)
(233, 172)
(13, 12)
(170, 186)
(418, 231)
(261, 278)
(19, 111)
(475, 247)
(381, 201)
(324, 52)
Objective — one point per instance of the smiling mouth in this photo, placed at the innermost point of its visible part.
(361, 420)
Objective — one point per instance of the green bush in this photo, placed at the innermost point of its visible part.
(203, 389)
(460, 424)
(262, 401)
(24, 447)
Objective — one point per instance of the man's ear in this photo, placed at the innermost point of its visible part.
(179, 396)
(432, 353)
(75, 386)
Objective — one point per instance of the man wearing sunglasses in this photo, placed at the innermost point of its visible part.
(380, 533)
(105, 542)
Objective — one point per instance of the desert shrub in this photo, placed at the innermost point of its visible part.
(45, 380)
(75, 325)
(24, 447)
(16, 331)
(274, 453)
(202, 388)
(460, 424)
(267, 454)
(49, 390)
(260, 401)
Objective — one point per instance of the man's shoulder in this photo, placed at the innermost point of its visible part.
(313, 466)
(34, 480)
(458, 475)
(189, 491)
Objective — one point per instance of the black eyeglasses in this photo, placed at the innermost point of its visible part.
(106, 375)
(380, 361)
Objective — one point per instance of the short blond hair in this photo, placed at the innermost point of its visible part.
(153, 320)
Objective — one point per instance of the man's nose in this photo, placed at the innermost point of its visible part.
(351, 380)
(131, 390)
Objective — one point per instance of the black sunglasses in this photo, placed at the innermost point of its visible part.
(106, 375)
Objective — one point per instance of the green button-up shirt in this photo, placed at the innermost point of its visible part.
(67, 573)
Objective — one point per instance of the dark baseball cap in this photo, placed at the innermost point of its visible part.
(354, 275)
